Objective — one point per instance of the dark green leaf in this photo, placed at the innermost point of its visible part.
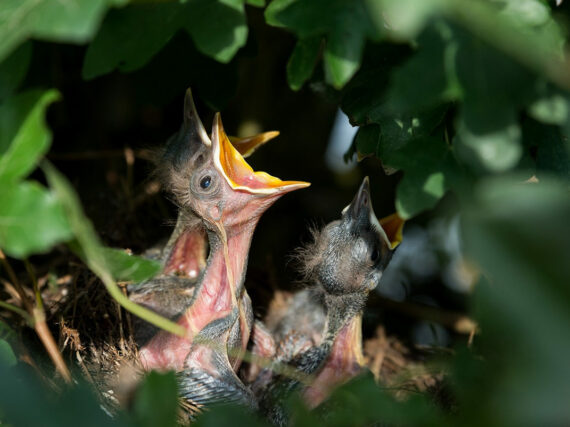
(123, 32)
(130, 267)
(13, 70)
(367, 139)
(302, 61)
(345, 24)
(430, 169)
(24, 137)
(552, 156)
(31, 219)
(7, 357)
(21, 390)
(362, 402)
(6, 333)
(217, 27)
(72, 21)
(428, 77)
(156, 402)
(228, 415)
(518, 235)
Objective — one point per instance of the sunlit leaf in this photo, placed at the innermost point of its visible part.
(31, 219)
(24, 137)
(71, 21)
(124, 266)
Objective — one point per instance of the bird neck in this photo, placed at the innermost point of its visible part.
(341, 310)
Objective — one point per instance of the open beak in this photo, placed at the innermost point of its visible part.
(238, 173)
(192, 124)
(361, 211)
(246, 146)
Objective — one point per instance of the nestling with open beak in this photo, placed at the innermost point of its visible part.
(184, 256)
(224, 198)
(343, 264)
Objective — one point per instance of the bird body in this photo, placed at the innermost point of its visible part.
(342, 265)
(220, 199)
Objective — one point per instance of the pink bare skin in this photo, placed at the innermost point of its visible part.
(232, 214)
(188, 255)
(345, 362)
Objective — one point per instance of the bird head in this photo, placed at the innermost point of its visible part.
(210, 177)
(350, 254)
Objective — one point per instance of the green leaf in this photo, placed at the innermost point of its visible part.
(430, 169)
(362, 402)
(21, 390)
(224, 415)
(302, 61)
(217, 27)
(118, 44)
(367, 139)
(552, 156)
(429, 76)
(407, 18)
(72, 21)
(156, 401)
(490, 138)
(345, 24)
(6, 333)
(517, 234)
(124, 266)
(13, 70)
(31, 219)
(256, 3)
(7, 357)
(553, 107)
(495, 148)
(24, 137)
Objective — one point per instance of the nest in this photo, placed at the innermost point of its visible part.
(95, 336)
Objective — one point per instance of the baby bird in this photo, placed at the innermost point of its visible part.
(343, 264)
(184, 256)
(220, 196)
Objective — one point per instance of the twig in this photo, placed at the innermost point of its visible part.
(49, 343)
(36, 316)
(16, 282)
(459, 322)
(29, 319)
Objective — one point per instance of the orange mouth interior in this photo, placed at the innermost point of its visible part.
(238, 173)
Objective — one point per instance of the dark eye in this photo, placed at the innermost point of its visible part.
(205, 182)
(375, 255)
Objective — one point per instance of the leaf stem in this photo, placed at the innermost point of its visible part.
(16, 282)
(29, 319)
(37, 293)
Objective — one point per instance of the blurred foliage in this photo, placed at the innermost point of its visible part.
(467, 96)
